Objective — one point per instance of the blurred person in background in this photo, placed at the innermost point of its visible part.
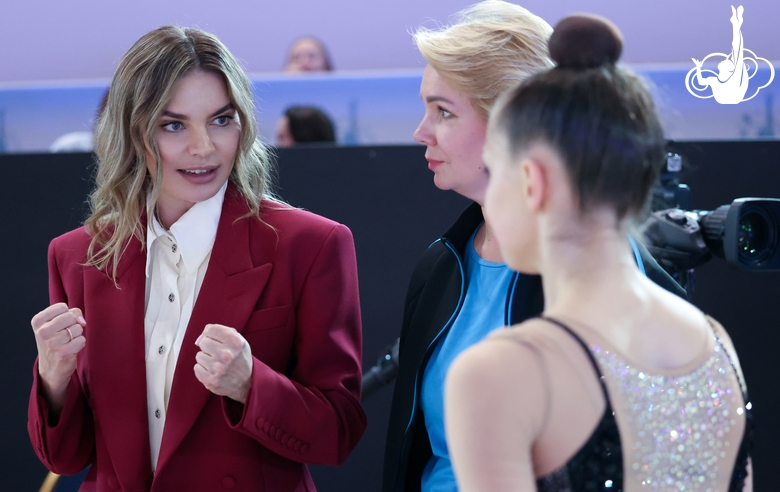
(308, 54)
(304, 124)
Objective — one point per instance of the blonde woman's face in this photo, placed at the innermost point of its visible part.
(454, 133)
(197, 136)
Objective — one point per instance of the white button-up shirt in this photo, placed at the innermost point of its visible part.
(176, 263)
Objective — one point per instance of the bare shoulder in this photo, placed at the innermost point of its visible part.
(495, 407)
(535, 334)
(665, 301)
(505, 378)
(676, 322)
(501, 358)
(493, 356)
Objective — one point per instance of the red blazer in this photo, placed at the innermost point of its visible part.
(291, 290)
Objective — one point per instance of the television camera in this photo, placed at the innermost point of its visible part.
(745, 232)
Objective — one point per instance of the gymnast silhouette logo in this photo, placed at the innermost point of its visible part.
(730, 84)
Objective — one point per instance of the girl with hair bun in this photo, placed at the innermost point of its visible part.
(201, 335)
(619, 385)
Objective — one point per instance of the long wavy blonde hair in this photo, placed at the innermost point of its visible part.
(491, 47)
(142, 87)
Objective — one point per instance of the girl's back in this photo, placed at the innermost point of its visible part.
(656, 404)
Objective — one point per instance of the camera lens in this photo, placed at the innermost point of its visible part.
(754, 236)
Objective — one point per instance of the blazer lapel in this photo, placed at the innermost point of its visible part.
(117, 367)
(230, 289)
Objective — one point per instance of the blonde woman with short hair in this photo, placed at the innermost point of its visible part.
(461, 289)
(201, 334)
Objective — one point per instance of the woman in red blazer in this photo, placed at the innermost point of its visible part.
(202, 336)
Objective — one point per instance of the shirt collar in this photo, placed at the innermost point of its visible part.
(194, 233)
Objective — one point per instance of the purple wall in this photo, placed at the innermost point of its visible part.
(47, 40)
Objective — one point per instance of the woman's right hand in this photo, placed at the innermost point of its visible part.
(59, 336)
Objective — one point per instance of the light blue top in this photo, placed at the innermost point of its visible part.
(482, 312)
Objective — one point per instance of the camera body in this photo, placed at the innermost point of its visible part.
(745, 232)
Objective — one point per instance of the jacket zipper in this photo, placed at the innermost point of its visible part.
(510, 299)
(507, 315)
(438, 335)
(507, 320)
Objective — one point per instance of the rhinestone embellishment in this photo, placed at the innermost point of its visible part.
(680, 422)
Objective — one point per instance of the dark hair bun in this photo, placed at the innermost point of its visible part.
(584, 41)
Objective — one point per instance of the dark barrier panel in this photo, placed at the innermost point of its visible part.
(386, 196)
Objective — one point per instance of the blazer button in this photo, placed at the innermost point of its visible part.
(113, 482)
(228, 483)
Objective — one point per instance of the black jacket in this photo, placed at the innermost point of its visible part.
(433, 300)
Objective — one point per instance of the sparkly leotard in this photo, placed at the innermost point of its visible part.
(679, 426)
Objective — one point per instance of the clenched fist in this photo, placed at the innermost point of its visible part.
(224, 363)
(59, 335)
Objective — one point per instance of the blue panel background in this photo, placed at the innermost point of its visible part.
(373, 108)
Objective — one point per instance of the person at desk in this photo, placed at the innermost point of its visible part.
(619, 385)
(461, 289)
(201, 335)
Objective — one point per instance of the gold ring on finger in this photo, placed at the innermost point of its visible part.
(69, 333)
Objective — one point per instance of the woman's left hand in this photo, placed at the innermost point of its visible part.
(224, 363)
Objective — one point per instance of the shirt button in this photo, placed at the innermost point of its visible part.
(161, 349)
(157, 413)
(171, 297)
(173, 248)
